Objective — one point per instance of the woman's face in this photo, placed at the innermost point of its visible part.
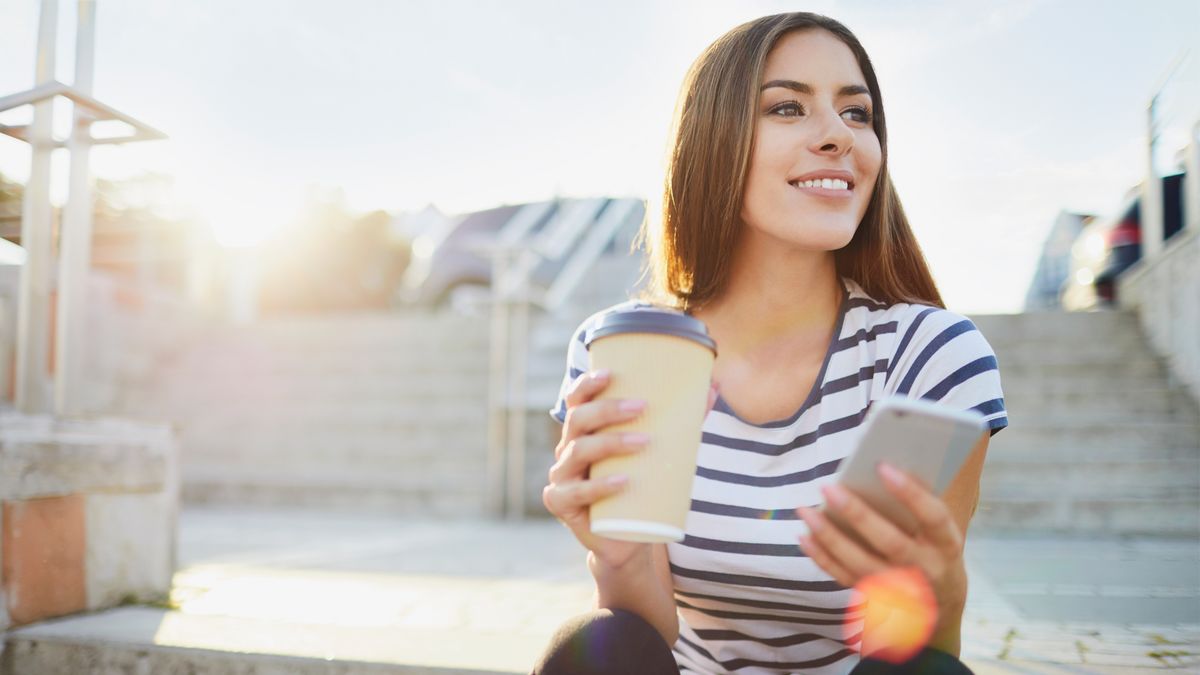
(815, 156)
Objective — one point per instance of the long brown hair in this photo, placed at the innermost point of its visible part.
(713, 130)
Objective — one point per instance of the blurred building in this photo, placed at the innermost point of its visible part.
(1054, 265)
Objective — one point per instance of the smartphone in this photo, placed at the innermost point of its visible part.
(928, 441)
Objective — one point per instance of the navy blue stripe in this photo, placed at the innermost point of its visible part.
(574, 373)
(997, 424)
(851, 381)
(724, 614)
(976, 367)
(990, 407)
(826, 429)
(964, 326)
(747, 548)
(742, 511)
(701, 650)
(738, 664)
(908, 336)
(764, 604)
(770, 481)
(759, 582)
(560, 413)
(781, 641)
(581, 336)
(863, 335)
(866, 302)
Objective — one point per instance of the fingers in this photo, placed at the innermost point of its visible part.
(713, 392)
(566, 500)
(936, 523)
(892, 543)
(817, 553)
(582, 452)
(843, 551)
(587, 386)
(593, 416)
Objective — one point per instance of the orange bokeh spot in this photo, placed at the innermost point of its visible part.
(900, 614)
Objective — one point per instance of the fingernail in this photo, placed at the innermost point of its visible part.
(892, 475)
(601, 374)
(635, 438)
(632, 406)
(617, 480)
(836, 494)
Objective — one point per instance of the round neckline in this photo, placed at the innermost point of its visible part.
(815, 391)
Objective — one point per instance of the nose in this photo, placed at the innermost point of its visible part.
(833, 136)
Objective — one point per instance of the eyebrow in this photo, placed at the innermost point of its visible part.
(848, 90)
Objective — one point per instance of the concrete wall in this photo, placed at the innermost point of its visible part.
(1165, 292)
(89, 514)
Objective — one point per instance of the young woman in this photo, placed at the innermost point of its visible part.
(782, 232)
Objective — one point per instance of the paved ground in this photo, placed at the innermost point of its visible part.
(484, 597)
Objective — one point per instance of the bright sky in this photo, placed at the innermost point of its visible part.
(1000, 114)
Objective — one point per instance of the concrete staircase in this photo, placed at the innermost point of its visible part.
(365, 411)
(1101, 441)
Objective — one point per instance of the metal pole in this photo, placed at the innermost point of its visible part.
(516, 405)
(1152, 197)
(75, 239)
(498, 386)
(1191, 199)
(33, 315)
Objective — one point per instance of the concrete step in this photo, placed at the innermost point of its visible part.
(263, 445)
(442, 502)
(1094, 479)
(146, 640)
(1025, 442)
(1070, 327)
(1153, 403)
(378, 416)
(318, 386)
(1159, 517)
(341, 365)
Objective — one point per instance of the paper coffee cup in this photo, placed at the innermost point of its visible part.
(664, 358)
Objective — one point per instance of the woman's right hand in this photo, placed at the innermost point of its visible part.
(570, 492)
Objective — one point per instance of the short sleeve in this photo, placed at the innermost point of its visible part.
(943, 357)
(577, 364)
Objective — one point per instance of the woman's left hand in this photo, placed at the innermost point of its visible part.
(936, 549)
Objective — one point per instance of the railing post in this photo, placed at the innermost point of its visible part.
(33, 321)
(1191, 196)
(75, 243)
(517, 376)
(498, 385)
(1152, 196)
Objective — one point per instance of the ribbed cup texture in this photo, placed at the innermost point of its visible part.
(672, 375)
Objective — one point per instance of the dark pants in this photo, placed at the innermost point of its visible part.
(616, 642)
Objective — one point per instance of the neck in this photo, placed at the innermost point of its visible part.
(775, 298)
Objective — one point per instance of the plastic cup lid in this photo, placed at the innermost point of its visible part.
(652, 320)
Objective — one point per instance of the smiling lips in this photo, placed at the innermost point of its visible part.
(825, 183)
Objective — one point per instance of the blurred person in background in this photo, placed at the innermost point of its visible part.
(783, 233)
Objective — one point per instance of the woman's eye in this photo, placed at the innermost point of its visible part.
(791, 106)
(860, 115)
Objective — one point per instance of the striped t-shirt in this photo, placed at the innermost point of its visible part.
(748, 598)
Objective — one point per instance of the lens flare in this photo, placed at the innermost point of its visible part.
(901, 612)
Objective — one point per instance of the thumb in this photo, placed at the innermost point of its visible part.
(713, 390)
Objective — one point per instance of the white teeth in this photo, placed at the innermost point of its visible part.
(825, 183)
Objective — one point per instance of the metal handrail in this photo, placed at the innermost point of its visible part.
(98, 111)
(575, 235)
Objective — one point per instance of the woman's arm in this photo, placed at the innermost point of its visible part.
(961, 498)
(936, 549)
(642, 585)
